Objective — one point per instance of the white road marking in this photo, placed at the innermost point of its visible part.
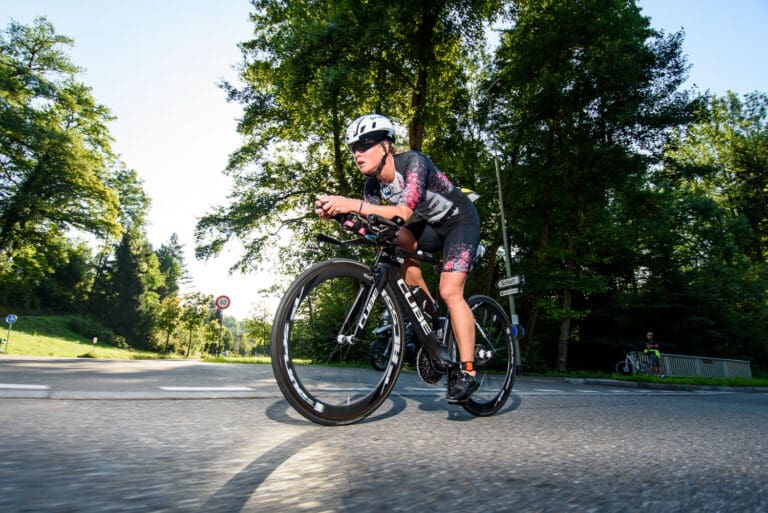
(207, 389)
(15, 386)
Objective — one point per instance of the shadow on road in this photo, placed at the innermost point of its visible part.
(236, 492)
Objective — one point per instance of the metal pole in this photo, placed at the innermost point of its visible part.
(505, 238)
(221, 322)
(507, 265)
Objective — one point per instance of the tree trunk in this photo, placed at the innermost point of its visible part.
(529, 346)
(425, 51)
(565, 322)
(565, 331)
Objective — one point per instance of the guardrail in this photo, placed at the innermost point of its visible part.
(701, 366)
(680, 365)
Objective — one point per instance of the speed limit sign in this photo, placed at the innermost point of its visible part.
(222, 302)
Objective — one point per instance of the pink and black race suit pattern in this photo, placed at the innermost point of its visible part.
(444, 217)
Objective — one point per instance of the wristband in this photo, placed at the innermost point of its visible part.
(360, 210)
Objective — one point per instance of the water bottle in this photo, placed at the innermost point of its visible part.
(440, 332)
(425, 304)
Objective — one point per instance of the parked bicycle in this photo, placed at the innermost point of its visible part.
(325, 325)
(632, 364)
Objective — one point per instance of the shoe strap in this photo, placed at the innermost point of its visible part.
(468, 366)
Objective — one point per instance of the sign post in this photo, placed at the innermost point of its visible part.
(10, 319)
(222, 302)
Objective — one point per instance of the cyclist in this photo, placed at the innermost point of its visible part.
(437, 214)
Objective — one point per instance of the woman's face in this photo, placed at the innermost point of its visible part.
(367, 155)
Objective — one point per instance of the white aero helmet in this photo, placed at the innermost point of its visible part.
(372, 127)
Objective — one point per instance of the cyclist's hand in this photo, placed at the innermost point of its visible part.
(333, 205)
(319, 209)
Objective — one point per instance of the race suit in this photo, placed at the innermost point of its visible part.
(444, 217)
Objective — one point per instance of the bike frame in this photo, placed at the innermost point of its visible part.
(386, 269)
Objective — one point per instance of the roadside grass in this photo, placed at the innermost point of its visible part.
(755, 381)
(726, 382)
(259, 359)
(50, 336)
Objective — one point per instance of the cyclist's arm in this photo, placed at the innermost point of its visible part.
(329, 206)
(388, 211)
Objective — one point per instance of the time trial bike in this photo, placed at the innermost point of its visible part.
(325, 325)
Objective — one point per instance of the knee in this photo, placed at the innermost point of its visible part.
(451, 294)
(406, 240)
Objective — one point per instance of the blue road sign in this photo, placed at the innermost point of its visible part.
(10, 318)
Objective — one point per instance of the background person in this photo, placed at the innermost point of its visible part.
(654, 357)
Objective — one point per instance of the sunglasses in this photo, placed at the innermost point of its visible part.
(363, 145)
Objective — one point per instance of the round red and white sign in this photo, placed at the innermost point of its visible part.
(222, 302)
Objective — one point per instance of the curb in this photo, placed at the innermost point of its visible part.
(664, 386)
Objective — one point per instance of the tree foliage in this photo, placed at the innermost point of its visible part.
(59, 182)
(716, 272)
(133, 303)
(55, 155)
(172, 266)
(586, 92)
(312, 67)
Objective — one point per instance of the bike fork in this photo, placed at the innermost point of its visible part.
(358, 315)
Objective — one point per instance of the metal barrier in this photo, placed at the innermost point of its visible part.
(680, 365)
(700, 366)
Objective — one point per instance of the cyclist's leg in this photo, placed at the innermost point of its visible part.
(462, 320)
(461, 238)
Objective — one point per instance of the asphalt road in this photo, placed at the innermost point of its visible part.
(103, 436)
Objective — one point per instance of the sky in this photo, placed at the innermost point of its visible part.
(156, 64)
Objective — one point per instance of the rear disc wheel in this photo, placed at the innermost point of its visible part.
(495, 357)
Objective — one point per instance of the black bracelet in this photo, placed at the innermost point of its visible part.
(360, 210)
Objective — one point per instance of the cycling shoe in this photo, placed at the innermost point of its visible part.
(461, 388)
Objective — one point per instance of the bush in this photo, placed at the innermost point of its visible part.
(88, 327)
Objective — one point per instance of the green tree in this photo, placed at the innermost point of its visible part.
(134, 278)
(725, 156)
(55, 153)
(67, 287)
(134, 207)
(169, 318)
(218, 337)
(196, 311)
(258, 329)
(172, 267)
(586, 92)
(311, 67)
(58, 176)
(56, 277)
(715, 273)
